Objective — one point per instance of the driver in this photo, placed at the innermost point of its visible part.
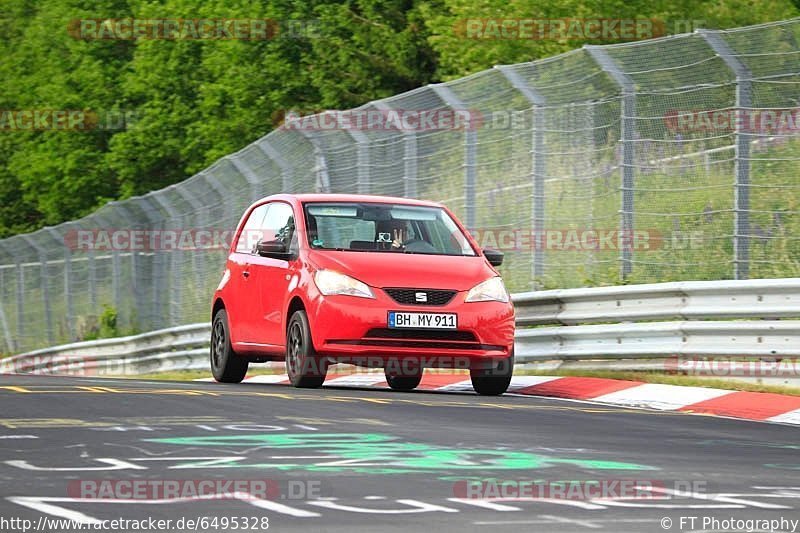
(393, 233)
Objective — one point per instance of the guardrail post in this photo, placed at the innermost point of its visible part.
(741, 191)
(286, 169)
(628, 134)
(48, 311)
(538, 164)
(447, 96)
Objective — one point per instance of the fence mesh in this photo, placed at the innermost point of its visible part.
(662, 160)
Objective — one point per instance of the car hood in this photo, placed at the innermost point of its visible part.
(386, 269)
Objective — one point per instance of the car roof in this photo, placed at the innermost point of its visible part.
(327, 197)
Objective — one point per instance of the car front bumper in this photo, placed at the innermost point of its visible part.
(355, 330)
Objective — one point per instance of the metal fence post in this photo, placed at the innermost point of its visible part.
(136, 286)
(6, 330)
(153, 217)
(91, 278)
(410, 165)
(741, 191)
(220, 190)
(628, 134)
(249, 174)
(201, 221)
(321, 168)
(447, 96)
(48, 311)
(538, 164)
(116, 287)
(175, 260)
(69, 310)
(20, 303)
(362, 160)
(274, 155)
(158, 269)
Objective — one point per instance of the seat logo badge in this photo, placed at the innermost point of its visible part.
(421, 296)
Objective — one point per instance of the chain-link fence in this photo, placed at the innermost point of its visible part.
(669, 159)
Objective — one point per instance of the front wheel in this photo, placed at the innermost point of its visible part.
(495, 380)
(226, 366)
(405, 380)
(303, 366)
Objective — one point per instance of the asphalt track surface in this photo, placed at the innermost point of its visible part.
(367, 460)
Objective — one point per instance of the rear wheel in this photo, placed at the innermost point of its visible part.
(404, 380)
(495, 380)
(226, 366)
(303, 366)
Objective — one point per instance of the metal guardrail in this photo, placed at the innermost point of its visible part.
(178, 348)
(689, 300)
(698, 318)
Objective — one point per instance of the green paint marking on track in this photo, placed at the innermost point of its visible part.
(795, 466)
(377, 453)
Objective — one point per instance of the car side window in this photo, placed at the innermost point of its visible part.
(279, 225)
(252, 230)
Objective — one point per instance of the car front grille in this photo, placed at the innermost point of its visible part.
(434, 297)
(421, 334)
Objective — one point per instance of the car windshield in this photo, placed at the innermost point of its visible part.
(381, 227)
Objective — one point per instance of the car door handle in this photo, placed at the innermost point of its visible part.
(246, 274)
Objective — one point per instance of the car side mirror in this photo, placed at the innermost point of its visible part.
(274, 249)
(494, 257)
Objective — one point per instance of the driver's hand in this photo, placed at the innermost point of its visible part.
(398, 239)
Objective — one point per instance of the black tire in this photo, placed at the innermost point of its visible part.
(493, 381)
(405, 381)
(303, 366)
(226, 366)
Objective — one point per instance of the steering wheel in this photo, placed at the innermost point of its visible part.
(418, 245)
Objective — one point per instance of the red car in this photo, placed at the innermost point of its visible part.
(373, 281)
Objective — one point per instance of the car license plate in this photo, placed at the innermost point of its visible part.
(398, 319)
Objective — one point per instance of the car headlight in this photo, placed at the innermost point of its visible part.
(331, 282)
(487, 291)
